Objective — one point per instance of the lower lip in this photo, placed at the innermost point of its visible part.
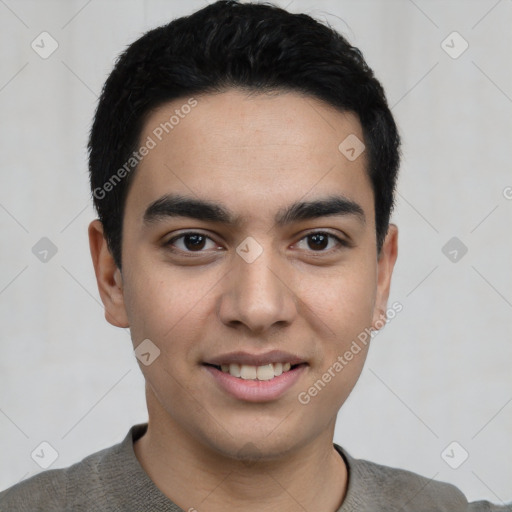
(256, 390)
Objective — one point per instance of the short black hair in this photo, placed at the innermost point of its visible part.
(257, 47)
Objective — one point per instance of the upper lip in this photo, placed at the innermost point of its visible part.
(273, 356)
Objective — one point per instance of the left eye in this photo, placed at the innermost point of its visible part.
(196, 242)
(319, 241)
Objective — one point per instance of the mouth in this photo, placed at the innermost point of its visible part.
(256, 378)
(264, 372)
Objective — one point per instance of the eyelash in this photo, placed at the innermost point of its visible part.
(341, 242)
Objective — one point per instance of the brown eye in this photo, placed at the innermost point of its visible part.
(189, 242)
(194, 241)
(319, 241)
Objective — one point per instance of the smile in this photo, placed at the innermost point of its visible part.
(256, 383)
(249, 372)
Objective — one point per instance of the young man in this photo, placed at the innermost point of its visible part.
(243, 164)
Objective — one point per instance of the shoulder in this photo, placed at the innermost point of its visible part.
(375, 487)
(59, 489)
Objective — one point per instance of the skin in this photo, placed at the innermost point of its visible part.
(254, 154)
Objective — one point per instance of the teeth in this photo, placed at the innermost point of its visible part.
(248, 372)
(234, 369)
(265, 372)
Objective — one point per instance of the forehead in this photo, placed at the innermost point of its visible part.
(251, 152)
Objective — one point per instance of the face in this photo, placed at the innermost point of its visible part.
(250, 296)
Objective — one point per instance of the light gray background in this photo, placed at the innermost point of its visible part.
(439, 372)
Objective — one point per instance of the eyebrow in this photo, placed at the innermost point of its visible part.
(175, 205)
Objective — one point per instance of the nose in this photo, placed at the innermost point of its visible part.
(259, 294)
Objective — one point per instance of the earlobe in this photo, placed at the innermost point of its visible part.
(108, 277)
(385, 266)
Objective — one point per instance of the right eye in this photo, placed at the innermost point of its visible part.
(189, 242)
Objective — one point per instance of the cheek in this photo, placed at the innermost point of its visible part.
(344, 298)
(342, 306)
(150, 302)
(165, 305)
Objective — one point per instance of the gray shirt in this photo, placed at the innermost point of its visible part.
(113, 480)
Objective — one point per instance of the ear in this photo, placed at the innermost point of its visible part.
(108, 276)
(385, 265)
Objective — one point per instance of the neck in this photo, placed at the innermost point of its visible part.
(196, 477)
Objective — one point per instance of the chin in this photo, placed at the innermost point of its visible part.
(252, 445)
